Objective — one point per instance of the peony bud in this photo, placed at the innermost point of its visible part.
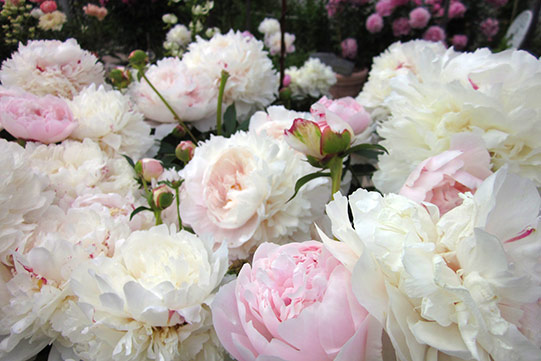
(138, 59)
(179, 131)
(48, 6)
(162, 197)
(184, 151)
(149, 168)
(120, 77)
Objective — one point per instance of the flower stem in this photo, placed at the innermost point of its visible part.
(223, 81)
(158, 215)
(178, 209)
(335, 166)
(169, 107)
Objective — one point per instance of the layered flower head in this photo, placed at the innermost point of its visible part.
(274, 120)
(51, 67)
(312, 79)
(236, 190)
(294, 303)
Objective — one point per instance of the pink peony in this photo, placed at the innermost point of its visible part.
(46, 119)
(434, 33)
(441, 178)
(460, 41)
(349, 48)
(374, 23)
(98, 12)
(348, 109)
(48, 6)
(490, 27)
(419, 18)
(401, 27)
(384, 7)
(294, 303)
(456, 10)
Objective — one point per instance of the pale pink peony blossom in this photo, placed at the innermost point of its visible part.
(384, 7)
(434, 33)
(349, 48)
(45, 119)
(490, 27)
(374, 23)
(440, 179)
(401, 27)
(347, 108)
(460, 41)
(48, 6)
(294, 303)
(99, 12)
(456, 10)
(419, 18)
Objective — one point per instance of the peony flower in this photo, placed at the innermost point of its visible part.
(180, 35)
(269, 26)
(236, 190)
(148, 168)
(48, 6)
(460, 41)
(434, 33)
(456, 10)
(192, 93)
(46, 119)
(454, 286)
(150, 300)
(374, 23)
(274, 43)
(54, 20)
(99, 12)
(346, 109)
(170, 19)
(109, 118)
(312, 79)
(440, 179)
(384, 7)
(349, 48)
(294, 303)
(275, 120)
(252, 83)
(51, 67)
(419, 18)
(401, 27)
(490, 27)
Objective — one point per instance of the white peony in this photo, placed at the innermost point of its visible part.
(180, 35)
(458, 287)
(253, 82)
(149, 301)
(493, 96)
(236, 190)
(312, 79)
(275, 120)
(24, 199)
(51, 67)
(274, 43)
(190, 92)
(269, 26)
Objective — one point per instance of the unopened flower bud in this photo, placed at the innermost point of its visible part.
(170, 19)
(120, 77)
(179, 131)
(184, 150)
(285, 94)
(162, 197)
(148, 168)
(138, 59)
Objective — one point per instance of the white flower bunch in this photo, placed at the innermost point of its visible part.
(312, 79)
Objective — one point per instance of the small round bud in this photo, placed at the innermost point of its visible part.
(184, 151)
(120, 77)
(148, 168)
(138, 59)
(162, 197)
(285, 94)
(179, 131)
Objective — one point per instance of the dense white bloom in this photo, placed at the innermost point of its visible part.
(493, 96)
(54, 20)
(180, 35)
(51, 67)
(275, 120)
(312, 79)
(463, 286)
(269, 26)
(190, 92)
(274, 43)
(252, 84)
(23, 198)
(108, 118)
(236, 190)
(149, 301)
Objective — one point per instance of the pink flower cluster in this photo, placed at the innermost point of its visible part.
(374, 23)
(99, 12)
(401, 27)
(490, 27)
(434, 33)
(419, 18)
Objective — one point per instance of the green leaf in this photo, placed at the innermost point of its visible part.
(244, 125)
(138, 210)
(366, 148)
(307, 178)
(230, 120)
(130, 161)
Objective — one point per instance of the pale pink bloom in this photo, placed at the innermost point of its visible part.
(149, 168)
(287, 80)
(46, 119)
(497, 2)
(247, 34)
(441, 178)
(434, 33)
(456, 10)
(48, 6)
(349, 48)
(419, 18)
(348, 109)
(294, 303)
(490, 27)
(98, 12)
(460, 41)
(384, 7)
(401, 27)
(374, 23)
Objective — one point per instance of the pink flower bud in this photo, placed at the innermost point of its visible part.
(162, 197)
(149, 168)
(419, 18)
(374, 23)
(456, 10)
(185, 150)
(349, 48)
(287, 80)
(48, 6)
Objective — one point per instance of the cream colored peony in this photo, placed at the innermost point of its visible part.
(236, 190)
(108, 118)
(253, 83)
(463, 286)
(312, 79)
(51, 67)
(54, 20)
(275, 120)
(493, 96)
(150, 301)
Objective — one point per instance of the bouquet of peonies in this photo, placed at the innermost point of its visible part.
(244, 245)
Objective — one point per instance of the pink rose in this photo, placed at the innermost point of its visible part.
(434, 33)
(384, 7)
(440, 179)
(294, 303)
(460, 41)
(349, 48)
(374, 23)
(348, 109)
(456, 10)
(419, 18)
(490, 27)
(401, 27)
(45, 119)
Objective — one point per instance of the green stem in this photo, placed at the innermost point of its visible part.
(158, 215)
(223, 81)
(169, 107)
(335, 166)
(178, 208)
(145, 186)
